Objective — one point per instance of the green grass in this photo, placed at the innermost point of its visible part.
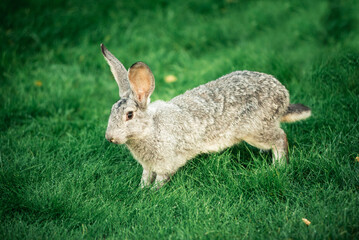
(60, 178)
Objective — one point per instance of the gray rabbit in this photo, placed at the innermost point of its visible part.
(163, 136)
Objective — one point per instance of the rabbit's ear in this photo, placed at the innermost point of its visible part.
(142, 82)
(118, 71)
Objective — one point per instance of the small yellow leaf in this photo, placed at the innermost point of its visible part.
(357, 158)
(38, 83)
(306, 221)
(170, 78)
(107, 38)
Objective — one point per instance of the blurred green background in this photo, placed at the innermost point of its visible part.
(59, 177)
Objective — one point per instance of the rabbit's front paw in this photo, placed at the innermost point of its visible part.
(147, 178)
(160, 181)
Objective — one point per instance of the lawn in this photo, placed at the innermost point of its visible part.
(60, 178)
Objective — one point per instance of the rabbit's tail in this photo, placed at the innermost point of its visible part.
(296, 112)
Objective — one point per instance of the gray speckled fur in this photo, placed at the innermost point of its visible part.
(162, 137)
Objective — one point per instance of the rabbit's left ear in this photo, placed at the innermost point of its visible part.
(118, 71)
(142, 83)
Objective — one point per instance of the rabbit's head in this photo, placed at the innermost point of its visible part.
(129, 118)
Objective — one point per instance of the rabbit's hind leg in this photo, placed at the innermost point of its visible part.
(273, 139)
(280, 148)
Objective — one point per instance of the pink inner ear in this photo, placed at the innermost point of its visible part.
(142, 81)
(141, 95)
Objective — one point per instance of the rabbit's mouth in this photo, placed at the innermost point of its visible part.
(115, 140)
(121, 141)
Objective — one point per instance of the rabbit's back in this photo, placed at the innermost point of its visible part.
(237, 94)
(232, 106)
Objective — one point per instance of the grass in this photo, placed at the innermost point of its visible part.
(59, 177)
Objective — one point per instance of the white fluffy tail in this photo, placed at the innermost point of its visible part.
(296, 112)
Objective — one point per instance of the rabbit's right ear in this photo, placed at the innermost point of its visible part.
(118, 71)
(142, 83)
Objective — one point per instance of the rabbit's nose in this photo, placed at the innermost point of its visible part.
(109, 138)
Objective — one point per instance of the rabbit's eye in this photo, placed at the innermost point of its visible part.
(129, 115)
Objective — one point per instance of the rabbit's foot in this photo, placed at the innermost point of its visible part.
(161, 179)
(148, 177)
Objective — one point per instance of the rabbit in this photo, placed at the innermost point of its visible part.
(162, 136)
